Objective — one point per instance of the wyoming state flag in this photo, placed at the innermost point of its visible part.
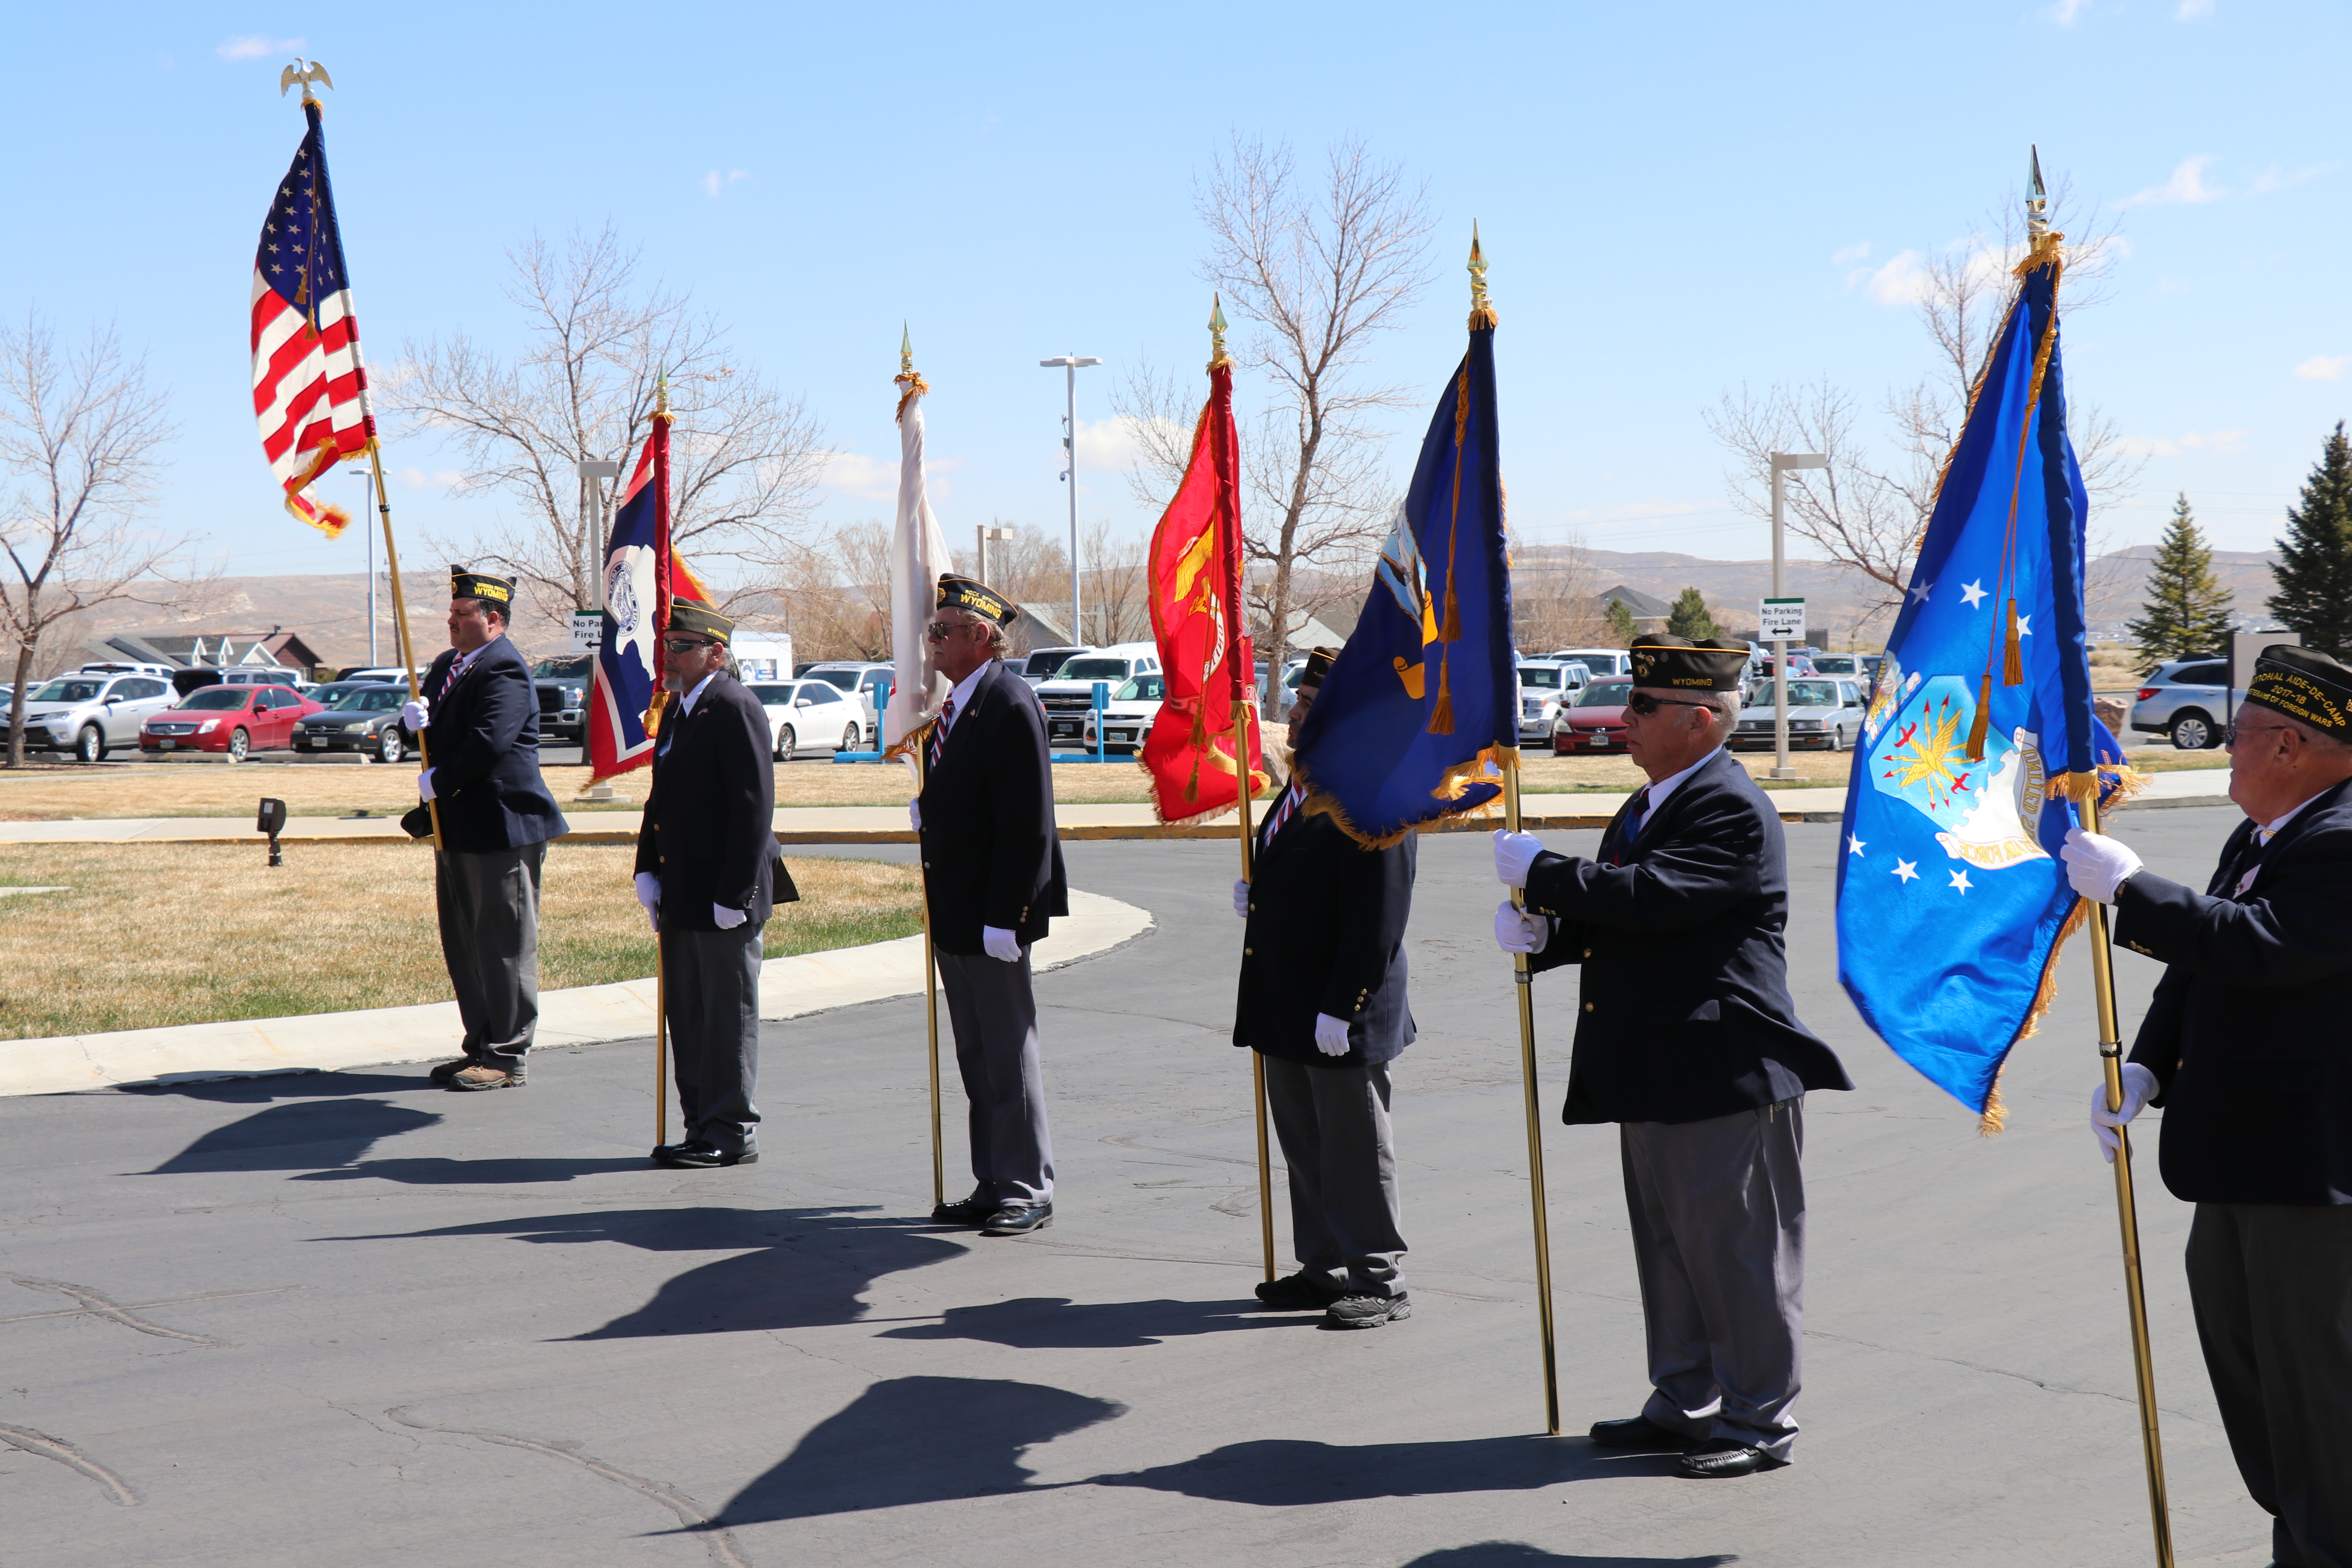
(1426, 687)
(1980, 736)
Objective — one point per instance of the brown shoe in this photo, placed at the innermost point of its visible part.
(482, 1075)
(447, 1070)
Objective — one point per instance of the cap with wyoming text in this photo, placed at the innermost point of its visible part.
(965, 594)
(2303, 684)
(466, 583)
(1712, 665)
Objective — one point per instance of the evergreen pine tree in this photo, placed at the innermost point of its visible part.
(1689, 616)
(2187, 612)
(1621, 623)
(2314, 569)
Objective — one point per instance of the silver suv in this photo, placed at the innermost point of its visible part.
(89, 715)
(2185, 699)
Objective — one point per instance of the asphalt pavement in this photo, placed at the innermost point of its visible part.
(351, 1319)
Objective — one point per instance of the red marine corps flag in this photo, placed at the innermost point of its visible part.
(1194, 587)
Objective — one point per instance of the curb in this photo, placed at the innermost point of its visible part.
(576, 1016)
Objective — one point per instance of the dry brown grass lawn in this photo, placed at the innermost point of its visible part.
(184, 934)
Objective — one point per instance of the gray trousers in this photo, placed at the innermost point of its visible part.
(710, 994)
(994, 1016)
(1334, 1127)
(489, 904)
(2271, 1286)
(1718, 1216)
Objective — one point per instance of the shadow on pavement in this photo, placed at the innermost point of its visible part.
(793, 1268)
(1520, 1555)
(437, 1171)
(1056, 1323)
(1292, 1473)
(304, 1135)
(915, 1440)
(288, 1085)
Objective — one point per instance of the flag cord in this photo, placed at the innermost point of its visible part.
(1522, 978)
(2000, 646)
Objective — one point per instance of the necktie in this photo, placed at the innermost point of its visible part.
(1641, 809)
(1283, 808)
(940, 729)
(2250, 861)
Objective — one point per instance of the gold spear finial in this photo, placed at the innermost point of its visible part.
(1482, 310)
(906, 351)
(1218, 358)
(661, 392)
(911, 385)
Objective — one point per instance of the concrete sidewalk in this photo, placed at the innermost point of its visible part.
(585, 1015)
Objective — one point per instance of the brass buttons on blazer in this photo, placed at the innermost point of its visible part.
(1587, 952)
(1249, 952)
(1588, 1006)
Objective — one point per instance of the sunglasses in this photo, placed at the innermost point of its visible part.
(684, 645)
(2237, 732)
(1644, 704)
(942, 630)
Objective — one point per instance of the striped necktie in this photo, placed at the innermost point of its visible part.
(1633, 824)
(1283, 809)
(940, 729)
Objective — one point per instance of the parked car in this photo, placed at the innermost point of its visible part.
(1845, 664)
(1069, 696)
(1594, 724)
(2187, 699)
(871, 682)
(374, 674)
(88, 715)
(811, 715)
(327, 693)
(1127, 720)
(1821, 713)
(1544, 685)
(1601, 661)
(362, 719)
(1044, 663)
(117, 668)
(237, 720)
(564, 682)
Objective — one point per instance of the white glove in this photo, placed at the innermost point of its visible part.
(1331, 1035)
(1514, 853)
(648, 889)
(2139, 1087)
(1002, 946)
(413, 714)
(1515, 930)
(915, 814)
(2097, 864)
(1241, 896)
(424, 785)
(725, 919)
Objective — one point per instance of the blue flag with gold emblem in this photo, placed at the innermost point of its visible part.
(1404, 727)
(1951, 902)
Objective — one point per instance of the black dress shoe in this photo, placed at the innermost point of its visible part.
(667, 1154)
(1297, 1293)
(1019, 1219)
(700, 1156)
(1723, 1456)
(1639, 1432)
(974, 1210)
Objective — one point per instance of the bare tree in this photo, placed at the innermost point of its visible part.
(80, 434)
(1320, 266)
(744, 457)
(1555, 598)
(1113, 566)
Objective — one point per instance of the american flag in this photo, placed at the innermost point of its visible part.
(309, 390)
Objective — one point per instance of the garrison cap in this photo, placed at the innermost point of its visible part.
(2303, 684)
(690, 619)
(1664, 659)
(1318, 664)
(965, 594)
(465, 584)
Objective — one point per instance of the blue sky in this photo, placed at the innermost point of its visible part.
(1674, 200)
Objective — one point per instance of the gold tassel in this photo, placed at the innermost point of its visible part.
(1452, 630)
(1996, 1114)
(2013, 667)
(1199, 745)
(1441, 713)
(1983, 719)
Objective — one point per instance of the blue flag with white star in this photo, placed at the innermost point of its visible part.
(1951, 902)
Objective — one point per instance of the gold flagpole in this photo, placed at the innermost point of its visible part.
(913, 385)
(661, 1047)
(1482, 314)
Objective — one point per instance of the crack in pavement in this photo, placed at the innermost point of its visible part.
(142, 1306)
(716, 1537)
(42, 1445)
(97, 1303)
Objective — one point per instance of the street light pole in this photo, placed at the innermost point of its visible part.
(1071, 364)
(985, 534)
(1781, 463)
(592, 473)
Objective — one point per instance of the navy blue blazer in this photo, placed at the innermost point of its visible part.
(482, 737)
(991, 856)
(1326, 934)
(2246, 1031)
(1685, 1013)
(709, 829)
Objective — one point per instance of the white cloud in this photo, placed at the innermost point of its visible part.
(1116, 443)
(258, 46)
(875, 478)
(1850, 254)
(714, 181)
(2192, 10)
(2277, 179)
(2066, 11)
(438, 479)
(2322, 367)
(2218, 443)
(1902, 281)
(2186, 186)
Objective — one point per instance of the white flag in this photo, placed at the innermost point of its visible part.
(918, 553)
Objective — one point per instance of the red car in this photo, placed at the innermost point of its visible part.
(1594, 725)
(232, 718)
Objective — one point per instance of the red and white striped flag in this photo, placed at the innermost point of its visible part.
(309, 389)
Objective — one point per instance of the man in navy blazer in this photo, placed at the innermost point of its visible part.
(1687, 1037)
(1323, 1001)
(2245, 1045)
(479, 717)
(992, 879)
